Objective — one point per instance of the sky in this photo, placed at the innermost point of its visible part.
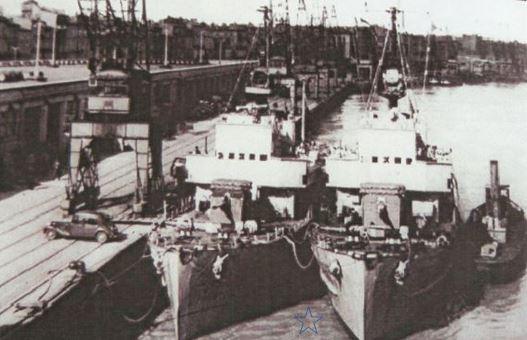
(496, 19)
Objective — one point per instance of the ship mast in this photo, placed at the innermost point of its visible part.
(267, 12)
(395, 91)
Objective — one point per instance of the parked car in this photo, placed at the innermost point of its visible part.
(86, 224)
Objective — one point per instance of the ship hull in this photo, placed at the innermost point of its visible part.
(255, 280)
(511, 263)
(373, 306)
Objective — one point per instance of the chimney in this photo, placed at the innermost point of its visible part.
(494, 189)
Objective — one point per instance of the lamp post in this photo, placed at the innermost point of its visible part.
(201, 47)
(54, 45)
(37, 54)
(221, 50)
(165, 63)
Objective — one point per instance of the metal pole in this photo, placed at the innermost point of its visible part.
(206, 144)
(495, 189)
(166, 45)
(201, 47)
(221, 50)
(304, 108)
(37, 56)
(427, 60)
(54, 45)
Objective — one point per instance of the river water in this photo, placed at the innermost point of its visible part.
(480, 122)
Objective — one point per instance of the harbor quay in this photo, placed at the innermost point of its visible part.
(36, 116)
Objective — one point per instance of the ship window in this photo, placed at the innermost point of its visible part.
(263, 157)
(408, 161)
(252, 157)
(231, 155)
(220, 155)
(374, 159)
(397, 160)
(386, 159)
(241, 156)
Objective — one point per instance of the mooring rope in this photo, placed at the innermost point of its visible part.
(146, 314)
(293, 246)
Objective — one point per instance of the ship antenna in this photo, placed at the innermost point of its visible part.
(405, 68)
(427, 58)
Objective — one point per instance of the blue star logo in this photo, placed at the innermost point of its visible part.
(307, 320)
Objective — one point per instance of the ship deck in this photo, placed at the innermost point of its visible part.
(33, 270)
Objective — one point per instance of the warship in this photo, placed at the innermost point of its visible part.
(391, 251)
(502, 231)
(243, 250)
(236, 245)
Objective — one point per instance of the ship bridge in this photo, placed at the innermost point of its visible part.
(251, 147)
(390, 150)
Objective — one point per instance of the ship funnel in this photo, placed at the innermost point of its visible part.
(494, 190)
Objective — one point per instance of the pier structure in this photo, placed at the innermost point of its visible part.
(35, 116)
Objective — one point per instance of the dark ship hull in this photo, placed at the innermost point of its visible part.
(511, 258)
(254, 280)
(441, 283)
(500, 229)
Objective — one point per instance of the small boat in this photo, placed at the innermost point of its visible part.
(502, 228)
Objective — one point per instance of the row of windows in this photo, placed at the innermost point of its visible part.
(241, 156)
(387, 160)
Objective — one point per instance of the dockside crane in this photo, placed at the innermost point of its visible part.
(119, 105)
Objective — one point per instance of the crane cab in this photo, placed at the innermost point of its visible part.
(115, 93)
(109, 93)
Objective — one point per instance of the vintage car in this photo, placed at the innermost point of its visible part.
(86, 224)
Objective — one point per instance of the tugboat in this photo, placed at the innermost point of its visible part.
(501, 224)
(243, 250)
(391, 251)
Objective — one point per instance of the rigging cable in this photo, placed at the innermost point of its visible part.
(377, 72)
(246, 61)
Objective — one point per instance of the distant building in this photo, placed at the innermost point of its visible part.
(8, 37)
